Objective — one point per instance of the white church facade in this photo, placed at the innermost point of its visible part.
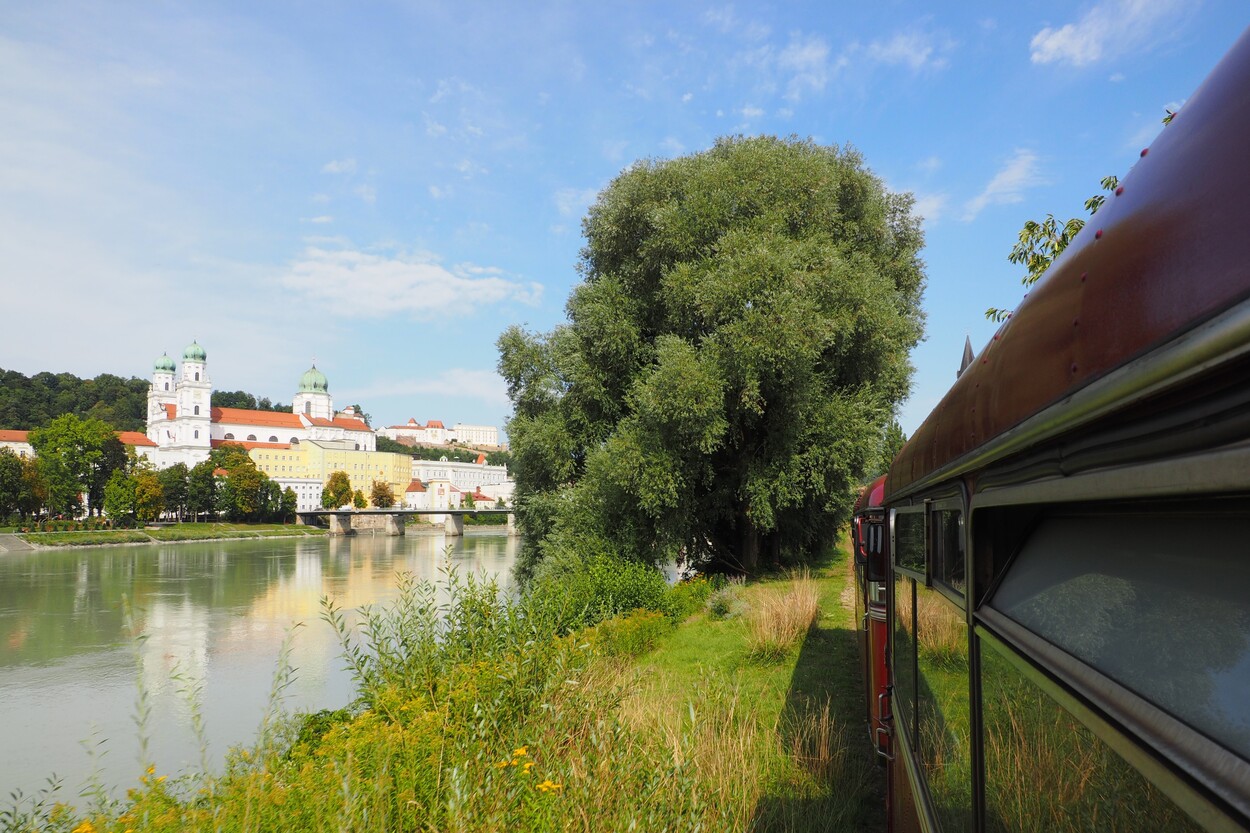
(185, 427)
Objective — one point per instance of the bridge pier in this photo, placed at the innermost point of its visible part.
(512, 530)
(394, 524)
(340, 524)
(454, 525)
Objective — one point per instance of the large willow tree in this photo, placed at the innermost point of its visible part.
(731, 359)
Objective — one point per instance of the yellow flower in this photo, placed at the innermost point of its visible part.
(502, 764)
(526, 766)
(548, 786)
(151, 770)
(520, 753)
(160, 779)
(85, 827)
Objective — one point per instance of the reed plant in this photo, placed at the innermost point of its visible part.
(779, 618)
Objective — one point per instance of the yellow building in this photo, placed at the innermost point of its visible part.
(306, 466)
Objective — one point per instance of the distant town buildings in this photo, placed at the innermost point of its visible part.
(435, 433)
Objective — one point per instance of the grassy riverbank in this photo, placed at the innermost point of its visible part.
(733, 709)
(177, 532)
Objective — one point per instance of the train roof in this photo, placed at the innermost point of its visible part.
(1162, 257)
(871, 496)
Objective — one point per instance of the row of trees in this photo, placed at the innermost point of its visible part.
(338, 492)
(28, 402)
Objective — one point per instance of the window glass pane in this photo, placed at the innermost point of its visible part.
(942, 705)
(1160, 602)
(909, 540)
(904, 655)
(948, 548)
(1046, 772)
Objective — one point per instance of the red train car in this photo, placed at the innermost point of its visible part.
(872, 573)
(1068, 532)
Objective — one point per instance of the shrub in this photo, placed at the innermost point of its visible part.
(573, 592)
(630, 635)
(688, 596)
(726, 600)
(780, 618)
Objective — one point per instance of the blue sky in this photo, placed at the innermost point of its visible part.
(384, 187)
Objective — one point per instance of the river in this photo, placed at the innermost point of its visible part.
(214, 613)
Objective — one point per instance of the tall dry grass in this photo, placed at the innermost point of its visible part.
(780, 618)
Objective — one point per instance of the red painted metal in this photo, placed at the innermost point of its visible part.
(1171, 257)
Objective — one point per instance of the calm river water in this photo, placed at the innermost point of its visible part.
(215, 612)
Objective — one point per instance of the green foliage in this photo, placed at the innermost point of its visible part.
(245, 400)
(174, 488)
(119, 498)
(630, 634)
(289, 504)
(892, 442)
(358, 499)
(10, 482)
(201, 489)
(725, 602)
(572, 591)
(149, 496)
(34, 402)
(732, 357)
(393, 446)
(75, 456)
(382, 495)
(337, 491)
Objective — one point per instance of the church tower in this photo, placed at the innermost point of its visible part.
(162, 392)
(193, 420)
(313, 399)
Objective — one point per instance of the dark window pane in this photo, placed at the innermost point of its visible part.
(909, 540)
(948, 548)
(1160, 602)
(1046, 772)
(942, 707)
(904, 655)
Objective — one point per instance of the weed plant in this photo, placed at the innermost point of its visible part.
(780, 618)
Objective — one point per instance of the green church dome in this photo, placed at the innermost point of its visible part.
(313, 381)
(165, 364)
(194, 353)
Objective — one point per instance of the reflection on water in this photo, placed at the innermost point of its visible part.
(214, 612)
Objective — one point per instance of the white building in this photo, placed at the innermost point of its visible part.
(184, 426)
(467, 477)
(435, 433)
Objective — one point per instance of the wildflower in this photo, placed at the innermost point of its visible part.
(85, 827)
(548, 786)
(520, 753)
(503, 764)
(526, 766)
(151, 770)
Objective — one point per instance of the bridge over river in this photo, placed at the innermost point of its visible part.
(393, 521)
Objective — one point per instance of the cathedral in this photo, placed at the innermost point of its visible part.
(185, 427)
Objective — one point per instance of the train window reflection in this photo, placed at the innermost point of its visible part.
(942, 707)
(904, 659)
(948, 548)
(1158, 601)
(909, 540)
(1046, 772)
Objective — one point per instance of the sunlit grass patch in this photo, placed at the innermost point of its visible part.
(779, 618)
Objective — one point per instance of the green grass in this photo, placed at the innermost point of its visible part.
(86, 539)
(179, 532)
(475, 712)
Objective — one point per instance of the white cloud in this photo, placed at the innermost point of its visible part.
(806, 60)
(685, 99)
(614, 150)
(1109, 29)
(439, 193)
(339, 166)
(915, 50)
(321, 199)
(469, 168)
(751, 112)
(433, 127)
(367, 193)
(573, 202)
(1116, 77)
(448, 87)
(930, 164)
(931, 207)
(672, 146)
(485, 385)
(1008, 185)
(324, 218)
(722, 19)
(360, 284)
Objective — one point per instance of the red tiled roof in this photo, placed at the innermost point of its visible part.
(242, 416)
(434, 423)
(135, 438)
(481, 459)
(14, 436)
(346, 423)
(415, 486)
(248, 444)
(411, 424)
(171, 411)
(220, 473)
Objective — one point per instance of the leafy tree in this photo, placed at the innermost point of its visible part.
(228, 455)
(731, 360)
(119, 498)
(394, 446)
(10, 482)
(271, 494)
(76, 455)
(34, 488)
(358, 500)
(149, 497)
(892, 443)
(33, 402)
(467, 500)
(244, 493)
(289, 505)
(113, 457)
(337, 491)
(382, 495)
(174, 486)
(201, 489)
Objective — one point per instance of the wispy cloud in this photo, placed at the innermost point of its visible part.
(1008, 185)
(749, 112)
(339, 166)
(362, 284)
(930, 207)
(672, 146)
(367, 193)
(806, 61)
(930, 164)
(1109, 29)
(573, 202)
(484, 385)
(915, 50)
(322, 219)
(438, 192)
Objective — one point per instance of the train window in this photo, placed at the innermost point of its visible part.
(909, 540)
(948, 547)
(904, 659)
(942, 707)
(1159, 601)
(1046, 772)
(874, 532)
